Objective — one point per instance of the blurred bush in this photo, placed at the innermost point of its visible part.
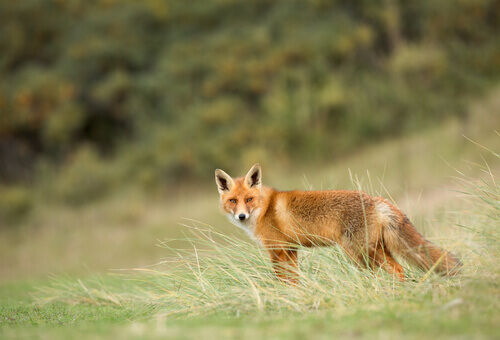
(85, 178)
(15, 203)
(173, 89)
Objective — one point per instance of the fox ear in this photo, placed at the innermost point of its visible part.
(254, 177)
(224, 182)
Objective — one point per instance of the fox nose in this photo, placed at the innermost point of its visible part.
(241, 217)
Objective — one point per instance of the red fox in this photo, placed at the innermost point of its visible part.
(370, 229)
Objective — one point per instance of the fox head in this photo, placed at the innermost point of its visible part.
(240, 196)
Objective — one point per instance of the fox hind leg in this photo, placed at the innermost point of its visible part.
(383, 258)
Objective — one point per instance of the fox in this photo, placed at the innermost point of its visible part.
(371, 230)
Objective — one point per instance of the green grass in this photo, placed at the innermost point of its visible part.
(468, 312)
(22, 317)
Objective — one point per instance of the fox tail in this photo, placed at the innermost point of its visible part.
(401, 238)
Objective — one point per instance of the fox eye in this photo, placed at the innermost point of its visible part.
(232, 200)
(249, 199)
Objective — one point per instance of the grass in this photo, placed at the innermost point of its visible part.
(439, 309)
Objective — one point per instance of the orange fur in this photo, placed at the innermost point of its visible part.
(370, 229)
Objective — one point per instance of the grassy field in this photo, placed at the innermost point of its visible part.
(211, 282)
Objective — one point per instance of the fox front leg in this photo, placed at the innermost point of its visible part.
(285, 265)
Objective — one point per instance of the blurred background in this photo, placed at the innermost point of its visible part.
(115, 113)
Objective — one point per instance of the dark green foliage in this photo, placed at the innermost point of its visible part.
(174, 89)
